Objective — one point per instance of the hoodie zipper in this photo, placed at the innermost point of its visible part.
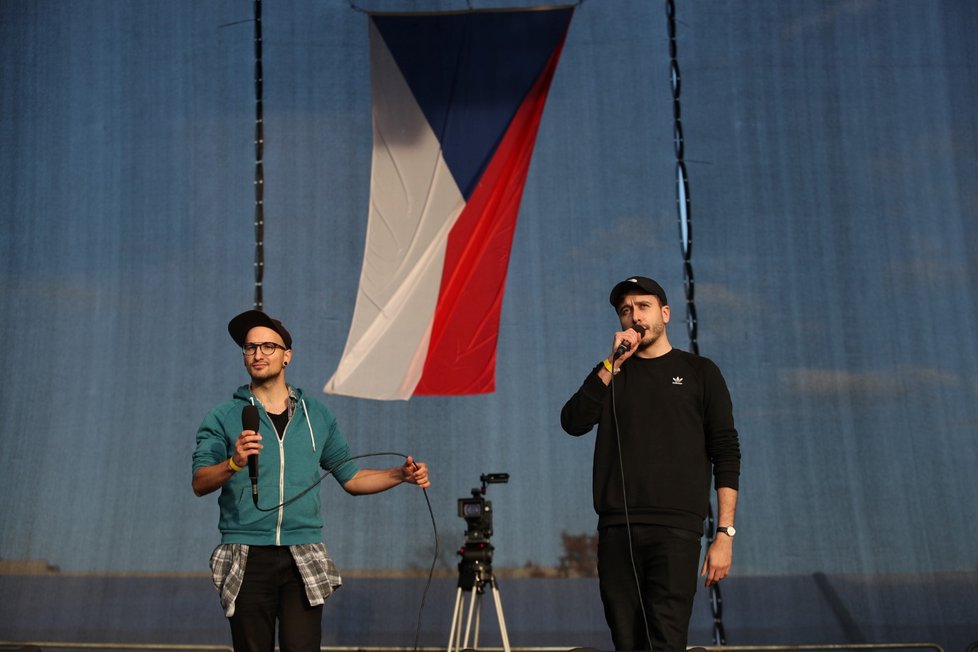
(281, 482)
(281, 463)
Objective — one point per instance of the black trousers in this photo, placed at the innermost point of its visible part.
(272, 592)
(666, 564)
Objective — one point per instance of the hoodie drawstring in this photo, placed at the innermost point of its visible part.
(312, 437)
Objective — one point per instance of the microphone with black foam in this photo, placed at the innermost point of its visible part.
(622, 348)
(250, 421)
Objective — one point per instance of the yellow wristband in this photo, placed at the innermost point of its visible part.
(234, 467)
(611, 370)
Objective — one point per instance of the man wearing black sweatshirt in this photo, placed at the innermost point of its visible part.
(665, 426)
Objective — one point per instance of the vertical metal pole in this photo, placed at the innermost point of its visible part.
(259, 165)
(683, 208)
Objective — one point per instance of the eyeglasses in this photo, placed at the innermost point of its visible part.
(267, 348)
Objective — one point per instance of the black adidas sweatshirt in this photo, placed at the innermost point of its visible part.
(676, 428)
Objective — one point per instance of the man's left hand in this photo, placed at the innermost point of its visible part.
(716, 564)
(415, 473)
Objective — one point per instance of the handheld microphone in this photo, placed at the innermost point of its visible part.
(622, 348)
(250, 421)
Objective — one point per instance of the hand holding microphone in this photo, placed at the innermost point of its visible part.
(625, 345)
(250, 421)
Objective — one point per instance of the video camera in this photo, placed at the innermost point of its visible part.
(477, 511)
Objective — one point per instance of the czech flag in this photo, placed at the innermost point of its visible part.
(457, 100)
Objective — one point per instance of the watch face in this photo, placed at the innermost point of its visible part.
(731, 530)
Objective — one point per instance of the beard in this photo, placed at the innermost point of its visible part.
(652, 334)
(264, 374)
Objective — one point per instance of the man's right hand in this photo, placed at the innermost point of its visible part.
(248, 444)
(628, 336)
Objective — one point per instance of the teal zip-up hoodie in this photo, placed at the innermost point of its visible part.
(286, 467)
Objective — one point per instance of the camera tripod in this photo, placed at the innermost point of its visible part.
(474, 573)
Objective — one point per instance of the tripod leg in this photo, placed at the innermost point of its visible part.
(456, 631)
(478, 621)
(499, 615)
(474, 604)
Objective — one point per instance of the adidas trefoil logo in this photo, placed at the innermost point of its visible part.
(677, 381)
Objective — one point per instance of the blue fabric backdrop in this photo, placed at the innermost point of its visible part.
(831, 150)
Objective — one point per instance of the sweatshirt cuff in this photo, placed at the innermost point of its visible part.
(727, 480)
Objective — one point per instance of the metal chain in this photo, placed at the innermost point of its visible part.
(259, 166)
(686, 244)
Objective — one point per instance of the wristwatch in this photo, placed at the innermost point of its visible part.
(729, 530)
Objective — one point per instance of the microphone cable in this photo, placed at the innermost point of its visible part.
(628, 525)
(431, 513)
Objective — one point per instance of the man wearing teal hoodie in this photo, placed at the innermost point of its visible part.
(272, 565)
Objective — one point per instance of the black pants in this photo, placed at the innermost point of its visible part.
(666, 563)
(272, 592)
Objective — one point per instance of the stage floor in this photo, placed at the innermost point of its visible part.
(560, 613)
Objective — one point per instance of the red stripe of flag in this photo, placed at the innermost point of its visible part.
(462, 352)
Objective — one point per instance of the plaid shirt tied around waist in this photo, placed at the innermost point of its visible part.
(319, 574)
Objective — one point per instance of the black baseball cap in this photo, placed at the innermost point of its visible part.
(642, 284)
(240, 325)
